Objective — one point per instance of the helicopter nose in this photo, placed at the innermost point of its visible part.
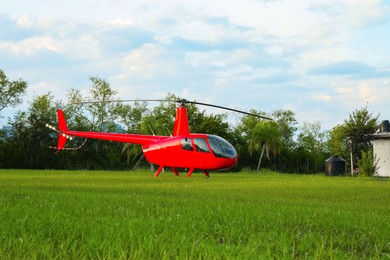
(235, 160)
(231, 162)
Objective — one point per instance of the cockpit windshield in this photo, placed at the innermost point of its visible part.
(221, 147)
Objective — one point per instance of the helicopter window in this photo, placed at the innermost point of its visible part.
(186, 144)
(221, 147)
(201, 145)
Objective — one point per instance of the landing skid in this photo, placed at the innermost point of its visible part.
(160, 168)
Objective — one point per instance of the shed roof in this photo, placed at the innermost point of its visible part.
(380, 136)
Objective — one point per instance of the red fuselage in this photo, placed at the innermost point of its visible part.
(193, 151)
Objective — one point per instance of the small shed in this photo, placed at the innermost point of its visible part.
(381, 145)
(334, 166)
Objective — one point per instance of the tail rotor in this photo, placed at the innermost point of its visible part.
(62, 133)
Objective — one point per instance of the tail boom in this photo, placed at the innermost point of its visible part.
(65, 134)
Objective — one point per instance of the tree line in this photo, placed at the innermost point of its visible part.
(281, 145)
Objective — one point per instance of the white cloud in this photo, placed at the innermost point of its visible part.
(32, 45)
(360, 92)
(143, 61)
(41, 88)
(245, 73)
(217, 58)
(198, 30)
(363, 12)
(84, 45)
(23, 21)
(121, 22)
(323, 97)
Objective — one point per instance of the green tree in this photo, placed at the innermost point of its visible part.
(200, 122)
(265, 137)
(287, 125)
(160, 120)
(358, 130)
(131, 116)
(100, 113)
(312, 138)
(101, 107)
(337, 144)
(76, 116)
(30, 137)
(249, 122)
(312, 146)
(10, 91)
(242, 135)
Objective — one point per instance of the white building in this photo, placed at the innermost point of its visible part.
(381, 143)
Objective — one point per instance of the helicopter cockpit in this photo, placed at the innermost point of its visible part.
(221, 147)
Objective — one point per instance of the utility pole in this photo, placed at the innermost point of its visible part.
(351, 155)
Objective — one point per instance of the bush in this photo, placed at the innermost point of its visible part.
(368, 164)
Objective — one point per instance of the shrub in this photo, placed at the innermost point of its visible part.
(368, 164)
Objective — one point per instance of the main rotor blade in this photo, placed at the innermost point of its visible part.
(225, 108)
(181, 101)
(119, 101)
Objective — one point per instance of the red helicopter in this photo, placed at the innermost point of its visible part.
(180, 150)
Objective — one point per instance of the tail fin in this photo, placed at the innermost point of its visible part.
(62, 132)
(61, 121)
(63, 128)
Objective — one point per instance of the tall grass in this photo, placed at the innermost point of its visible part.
(75, 214)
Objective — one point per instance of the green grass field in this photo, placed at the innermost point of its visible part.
(104, 215)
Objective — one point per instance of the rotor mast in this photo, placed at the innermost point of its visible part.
(181, 126)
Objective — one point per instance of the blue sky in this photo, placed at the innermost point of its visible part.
(321, 59)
